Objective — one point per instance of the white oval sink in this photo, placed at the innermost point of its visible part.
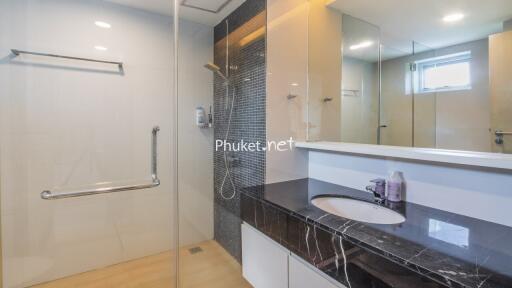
(358, 210)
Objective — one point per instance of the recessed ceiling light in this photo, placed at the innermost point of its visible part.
(100, 48)
(361, 45)
(453, 17)
(103, 24)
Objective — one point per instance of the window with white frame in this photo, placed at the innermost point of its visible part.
(446, 73)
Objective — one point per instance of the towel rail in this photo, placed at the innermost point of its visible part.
(18, 52)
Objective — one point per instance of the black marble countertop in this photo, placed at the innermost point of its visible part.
(452, 249)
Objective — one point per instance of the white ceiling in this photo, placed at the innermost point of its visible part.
(206, 17)
(402, 21)
(156, 6)
(165, 7)
(210, 4)
(355, 32)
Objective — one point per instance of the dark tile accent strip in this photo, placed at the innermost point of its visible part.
(248, 122)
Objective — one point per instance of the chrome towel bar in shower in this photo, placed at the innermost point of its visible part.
(18, 52)
(48, 195)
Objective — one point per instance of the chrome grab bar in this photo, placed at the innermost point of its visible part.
(48, 195)
(501, 133)
(17, 52)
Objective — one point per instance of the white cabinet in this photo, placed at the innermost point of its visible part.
(266, 264)
(303, 275)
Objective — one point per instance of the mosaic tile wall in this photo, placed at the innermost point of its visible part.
(248, 86)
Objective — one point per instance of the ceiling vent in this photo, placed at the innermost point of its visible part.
(210, 6)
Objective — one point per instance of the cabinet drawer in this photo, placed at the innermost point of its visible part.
(264, 262)
(304, 276)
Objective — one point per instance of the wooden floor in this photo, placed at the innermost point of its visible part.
(211, 267)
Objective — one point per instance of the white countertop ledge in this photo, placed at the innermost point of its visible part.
(479, 159)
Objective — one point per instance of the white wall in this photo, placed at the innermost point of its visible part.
(324, 72)
(478, 193)
(287, 30)
(195, 145)
(463, 117)
(68, 124)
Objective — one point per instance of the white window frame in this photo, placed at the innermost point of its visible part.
(422, 65)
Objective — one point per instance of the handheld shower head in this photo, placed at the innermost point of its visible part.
(215, 69)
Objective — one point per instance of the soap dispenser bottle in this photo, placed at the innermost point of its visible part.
(395, 186)
(200, 117)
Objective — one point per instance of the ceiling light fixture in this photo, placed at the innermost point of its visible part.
(453, 17)
(103, 24)
(100, 48)
(361, 45)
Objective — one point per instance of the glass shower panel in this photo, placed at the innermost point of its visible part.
(360, 81)
(408, 113)
(83, 84)
(228, 67)
(396, 94)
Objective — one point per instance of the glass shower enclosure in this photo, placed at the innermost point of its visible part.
(86, 123)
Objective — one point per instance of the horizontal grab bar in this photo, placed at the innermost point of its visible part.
(501, 133)
(18, 52)
(48, 195)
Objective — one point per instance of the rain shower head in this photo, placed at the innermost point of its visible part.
(215, 69)
(212, 67)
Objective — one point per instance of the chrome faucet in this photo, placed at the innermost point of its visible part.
(378, 190)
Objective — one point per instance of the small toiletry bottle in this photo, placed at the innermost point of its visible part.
(395, 184)
(200, 117)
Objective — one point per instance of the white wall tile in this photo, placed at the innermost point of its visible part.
(195, 159)
(64, 126)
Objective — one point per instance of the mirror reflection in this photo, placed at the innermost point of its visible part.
(429, 75)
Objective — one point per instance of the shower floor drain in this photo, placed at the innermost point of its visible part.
(195, 250)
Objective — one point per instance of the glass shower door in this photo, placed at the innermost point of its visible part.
(408, 115)
(396, 96)
(222, 72)
(360, 82)
(501, 91)
(83, 84)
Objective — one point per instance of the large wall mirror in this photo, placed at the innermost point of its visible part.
(432, 74)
